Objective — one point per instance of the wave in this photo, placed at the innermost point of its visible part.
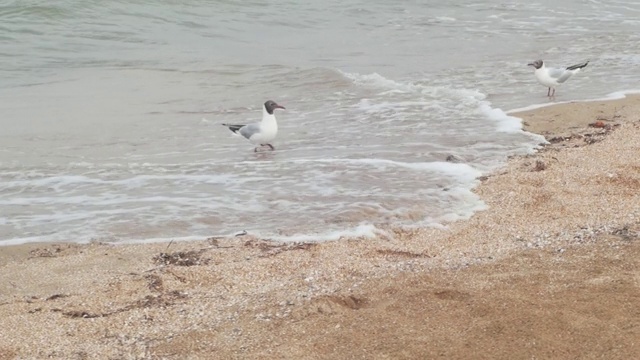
(443, 98)
(58, 182)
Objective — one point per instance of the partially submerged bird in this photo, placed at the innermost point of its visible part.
(263, 132)
(552, 77)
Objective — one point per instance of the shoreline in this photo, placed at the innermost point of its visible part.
(616, 95)
(550, 220)
(369, 230)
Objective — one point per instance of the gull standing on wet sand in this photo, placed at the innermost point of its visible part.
(552, 77)
(263, 132)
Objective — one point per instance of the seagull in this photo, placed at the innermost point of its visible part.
(552, 77)
(263, 132)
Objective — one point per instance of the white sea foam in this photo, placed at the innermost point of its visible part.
(98, 200)
(376, 80)
(611, 96)
(58, 182)
(451, 169)
(505, 122)
(360, 231)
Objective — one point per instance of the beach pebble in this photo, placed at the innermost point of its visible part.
(454, 159)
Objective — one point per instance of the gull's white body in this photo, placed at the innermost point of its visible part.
(552, 77)
(263, 132)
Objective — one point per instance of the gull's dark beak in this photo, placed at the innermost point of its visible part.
(531, 64)
(279, 107)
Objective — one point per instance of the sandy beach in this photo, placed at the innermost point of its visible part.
(551, 270)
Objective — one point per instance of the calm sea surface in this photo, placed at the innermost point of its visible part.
(110, 111)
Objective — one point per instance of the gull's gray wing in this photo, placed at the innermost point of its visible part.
(561, 75)
(249, 130)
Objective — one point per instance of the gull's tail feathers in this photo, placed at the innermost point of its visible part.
(578, 66)
(233, 128)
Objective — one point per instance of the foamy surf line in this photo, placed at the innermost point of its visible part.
(363, 230)
(367, 231)
(470, 102)
(616, 95)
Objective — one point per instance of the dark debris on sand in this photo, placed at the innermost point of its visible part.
(181, 258)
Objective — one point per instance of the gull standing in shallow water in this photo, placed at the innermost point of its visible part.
(263, 132)
(552, 77)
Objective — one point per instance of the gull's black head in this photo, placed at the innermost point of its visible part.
(536, 64)
(271, 105)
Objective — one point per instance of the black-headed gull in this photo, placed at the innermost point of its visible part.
(552, 77)
(263, 132)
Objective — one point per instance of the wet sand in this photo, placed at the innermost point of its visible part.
(550, 270)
